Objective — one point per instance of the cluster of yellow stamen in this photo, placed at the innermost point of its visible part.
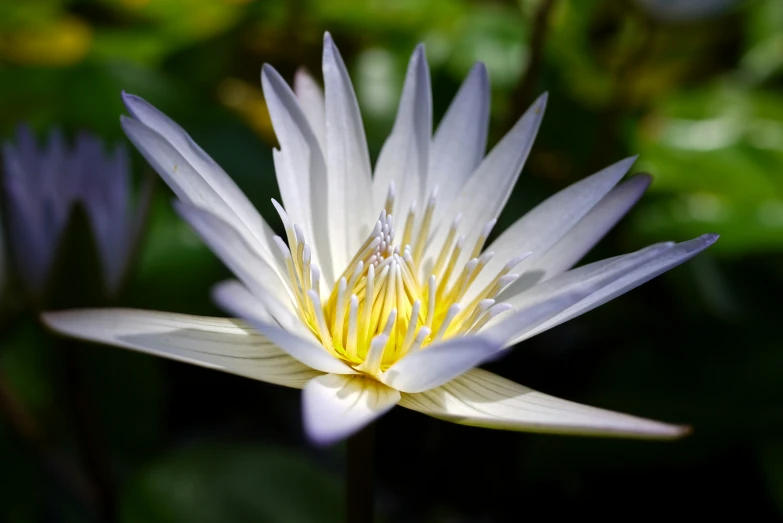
(378, 311)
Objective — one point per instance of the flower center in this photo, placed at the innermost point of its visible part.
(380, 310)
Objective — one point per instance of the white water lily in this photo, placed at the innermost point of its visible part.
(384, 292)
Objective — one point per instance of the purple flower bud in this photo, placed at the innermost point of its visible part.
(43, 183)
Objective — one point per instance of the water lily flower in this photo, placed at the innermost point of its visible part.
(44, 184)
(384, 291)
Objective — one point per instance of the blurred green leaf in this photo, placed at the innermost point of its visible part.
(213, 483)
(715, 153)
(763, 59)
(496, 35)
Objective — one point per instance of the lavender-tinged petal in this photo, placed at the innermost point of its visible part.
(243, 214)
(487, 190)
(311, 99)
(300, 168)
(404, 158)
(349, 191)
(336, 406)
(590, 229)
(460, 140)
(538, 230)
(439, 363)
(669, 259)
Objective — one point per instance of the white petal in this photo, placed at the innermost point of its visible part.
(486, 192)
(351, 214)
(669, 259)
(301, 344)
(311, 98)
(335, 406)
(243, 261)
(523, 293)
(216, 343)
(505, 328)
(482, 399)
(537, 231)
(225, 199)
(435, 365)
(300, 167)
(461, 139)
(404, 158)
(590, 229)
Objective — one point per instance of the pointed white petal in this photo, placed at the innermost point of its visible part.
(668, 259)
(482, 399)
(404, 158)
(216, 343)
(507, 327)
(300, 167)
(461, 139)
(242, 260)
(188, 173)
(435, 365)
(590, 229)
(335, 406)
(486, 192)
(349, 190)
(541, 228)
(237, 300)
(522, 293)
(311, 98)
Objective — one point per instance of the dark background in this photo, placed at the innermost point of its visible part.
(696, 94)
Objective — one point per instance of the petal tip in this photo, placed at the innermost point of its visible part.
(642, 179)
(540, 104)
(328, 40)
(709, 238)
(131, 101)
(49, 319)
(683, 431)
(672, 432)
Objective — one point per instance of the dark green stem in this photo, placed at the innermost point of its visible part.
(359, 489)
(94, 455)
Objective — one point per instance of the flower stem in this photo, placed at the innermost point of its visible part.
(359, 489)
(91, 447)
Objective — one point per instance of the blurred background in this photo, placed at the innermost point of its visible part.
(693, 86)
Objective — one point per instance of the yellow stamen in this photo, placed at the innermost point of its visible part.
(379, 311)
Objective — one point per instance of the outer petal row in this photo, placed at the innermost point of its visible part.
(337, 405)
(216, 343)
(483, 399)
